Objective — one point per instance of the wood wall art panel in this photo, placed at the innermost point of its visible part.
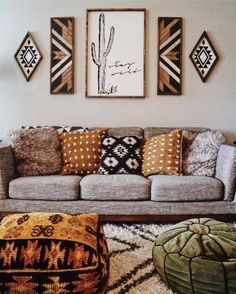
(28, 56)
(204, 56)
(169, 56)
(62, 55)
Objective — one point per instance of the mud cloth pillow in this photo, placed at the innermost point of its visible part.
(162, 154)
(81, 152)
(37, 152)
(120, 155)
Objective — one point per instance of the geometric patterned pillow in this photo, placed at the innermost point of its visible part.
(120, 155)
(60, 129)
(162, 154)
(52, 253)
(81, 152)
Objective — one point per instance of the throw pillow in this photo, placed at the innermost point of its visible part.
(162, 154)
(200, 157)
(60, 129)
(81, 152)
(37, 152)
(120, 155)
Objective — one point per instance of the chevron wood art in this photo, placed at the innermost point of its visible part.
(62, 55)
(170, 56)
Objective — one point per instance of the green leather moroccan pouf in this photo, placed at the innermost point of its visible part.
(197, 256)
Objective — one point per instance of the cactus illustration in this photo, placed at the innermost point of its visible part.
(100, 59)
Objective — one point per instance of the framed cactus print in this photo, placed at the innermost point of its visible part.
(115, 53)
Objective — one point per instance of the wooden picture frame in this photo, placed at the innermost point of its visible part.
(204, 56)
(28, 56)
(115, 53)
(62, 55)
(169, 65)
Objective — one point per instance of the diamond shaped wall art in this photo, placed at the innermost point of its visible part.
(204, 56)
(28, 56)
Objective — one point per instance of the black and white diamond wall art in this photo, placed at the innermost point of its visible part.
(28, 56)
(204, 56)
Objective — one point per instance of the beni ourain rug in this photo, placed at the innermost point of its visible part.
(131, 267)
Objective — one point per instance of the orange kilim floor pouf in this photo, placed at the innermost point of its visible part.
(52, 253)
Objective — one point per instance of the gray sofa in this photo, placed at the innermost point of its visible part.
(124, 197)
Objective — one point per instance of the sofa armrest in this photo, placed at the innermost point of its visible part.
(226, 170)
(7, 170)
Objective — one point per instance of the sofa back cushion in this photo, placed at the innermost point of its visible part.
(37, 152)
(154, 131)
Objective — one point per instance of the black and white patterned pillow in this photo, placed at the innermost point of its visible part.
(60, 129)
(120, 155)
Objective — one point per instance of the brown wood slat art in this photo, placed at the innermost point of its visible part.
(169, 56)
(62, 55)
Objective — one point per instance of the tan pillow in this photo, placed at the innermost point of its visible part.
(162, 154)
(37, 152)
(81, 152)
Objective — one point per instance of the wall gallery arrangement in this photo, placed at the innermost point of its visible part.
(115, 54)
(62, 55)
(115, 65)
(28, 56)
(169, 56)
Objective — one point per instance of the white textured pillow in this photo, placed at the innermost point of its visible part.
(200, 157)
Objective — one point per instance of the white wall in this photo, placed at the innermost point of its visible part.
(211, 104)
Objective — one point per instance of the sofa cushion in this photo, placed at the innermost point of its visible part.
(120, 155)
(81, 152)
(126, 131)
(37, 152)
(185, 188)
(114, 187)
(162, 154)
(54, 187)
(155, 131)
(200, 157)
(60, 129)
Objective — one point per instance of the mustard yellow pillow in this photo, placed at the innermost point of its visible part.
(81, 152)
(162, 154)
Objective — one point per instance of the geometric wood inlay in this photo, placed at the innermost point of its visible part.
(62, 55)
(28, 56)
(169, 56)
(204, 56)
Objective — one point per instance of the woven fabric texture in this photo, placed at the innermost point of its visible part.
(52, 253)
